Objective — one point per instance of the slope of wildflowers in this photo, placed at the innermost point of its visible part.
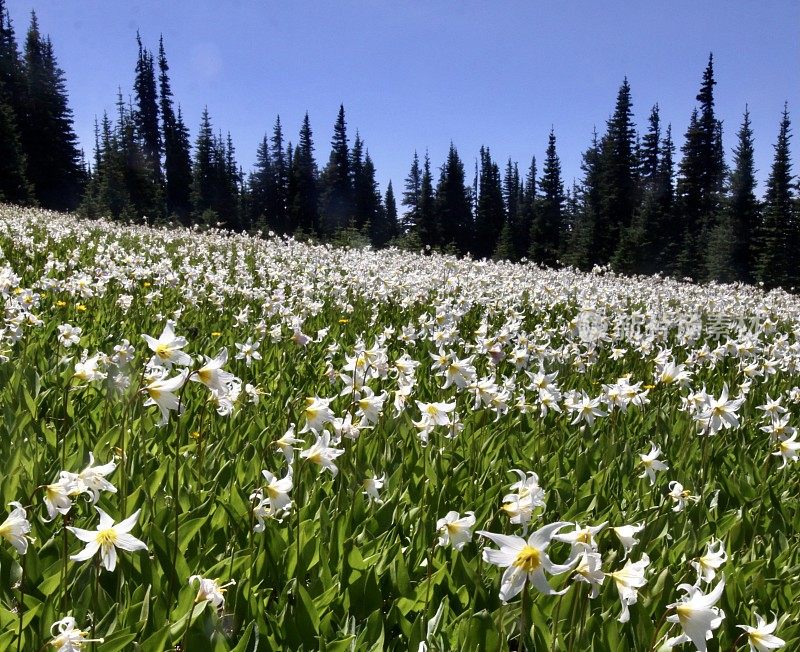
(215, 442)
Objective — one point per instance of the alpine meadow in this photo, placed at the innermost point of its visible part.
(289, 409)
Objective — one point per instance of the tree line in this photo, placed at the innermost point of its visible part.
(636, 207)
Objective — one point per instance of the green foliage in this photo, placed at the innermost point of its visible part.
(340, 572)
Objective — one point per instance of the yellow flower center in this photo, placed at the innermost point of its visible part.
(107, 537)
(528, 559)
(204, 375)
(163, 351)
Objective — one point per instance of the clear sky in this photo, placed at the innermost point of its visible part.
(416, 75)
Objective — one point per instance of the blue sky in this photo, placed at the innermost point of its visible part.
(416, 75)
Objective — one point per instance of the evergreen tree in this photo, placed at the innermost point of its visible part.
(729, 253)
(777, 235)
(511, 192)
(453, 206)
(490, 215)
(506, 247)
(527, 213)
(109, 178)
(14, 184)
(581, 253)
(363, 187)
(390, 209)
(227, 191)
(426, 227)
(260, 187)
(380, 229)
(142, 190)
(278, 216)
(411, 196)
(203, 173)
(48, 139)
(336, 197)
(12, 73)
(146, 114)
(700, 181)
(618, 179)
(639, 248)
(303, 201)
(175, 138)
(547, 228)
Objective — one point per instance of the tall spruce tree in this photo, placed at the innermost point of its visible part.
(146, 114)
(14, 184)
(175, 139)
(48, 139)
(506, 247)
(390, 208)
(426, 227)
(490, 214)
(260, 185)
(548, 225)
(204, 173)
(581, 252)
(336, 196)
(411, 196)
(730, 248)
(278, 214)
(618, 180)
(700, 181)
(640, 244)
(527, 213)
(377, 224)
(363, 187)
(303, 201)
(12, 72)
(452, 206)
(777, 235)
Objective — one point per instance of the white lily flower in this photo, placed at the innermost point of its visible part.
(697, 615)
(107, 538)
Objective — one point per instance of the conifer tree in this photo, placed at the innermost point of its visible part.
(146, 114)
(411, 196)
(175, 138)
(278, 217)
(453, 206)
(380, 229)
(390, 209)
(527, 213)
(547, 228)
(12, 73)
(511, 192)
(490, 215)
(640, 245)
(48, 138)
(729, 252)
(203, 173)
(303, 201)
(260, 187)
(363, 187)
(618, 179)
(336, 197)
(777, 235)
(14, 184)
(700, 180)
(427, 228)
